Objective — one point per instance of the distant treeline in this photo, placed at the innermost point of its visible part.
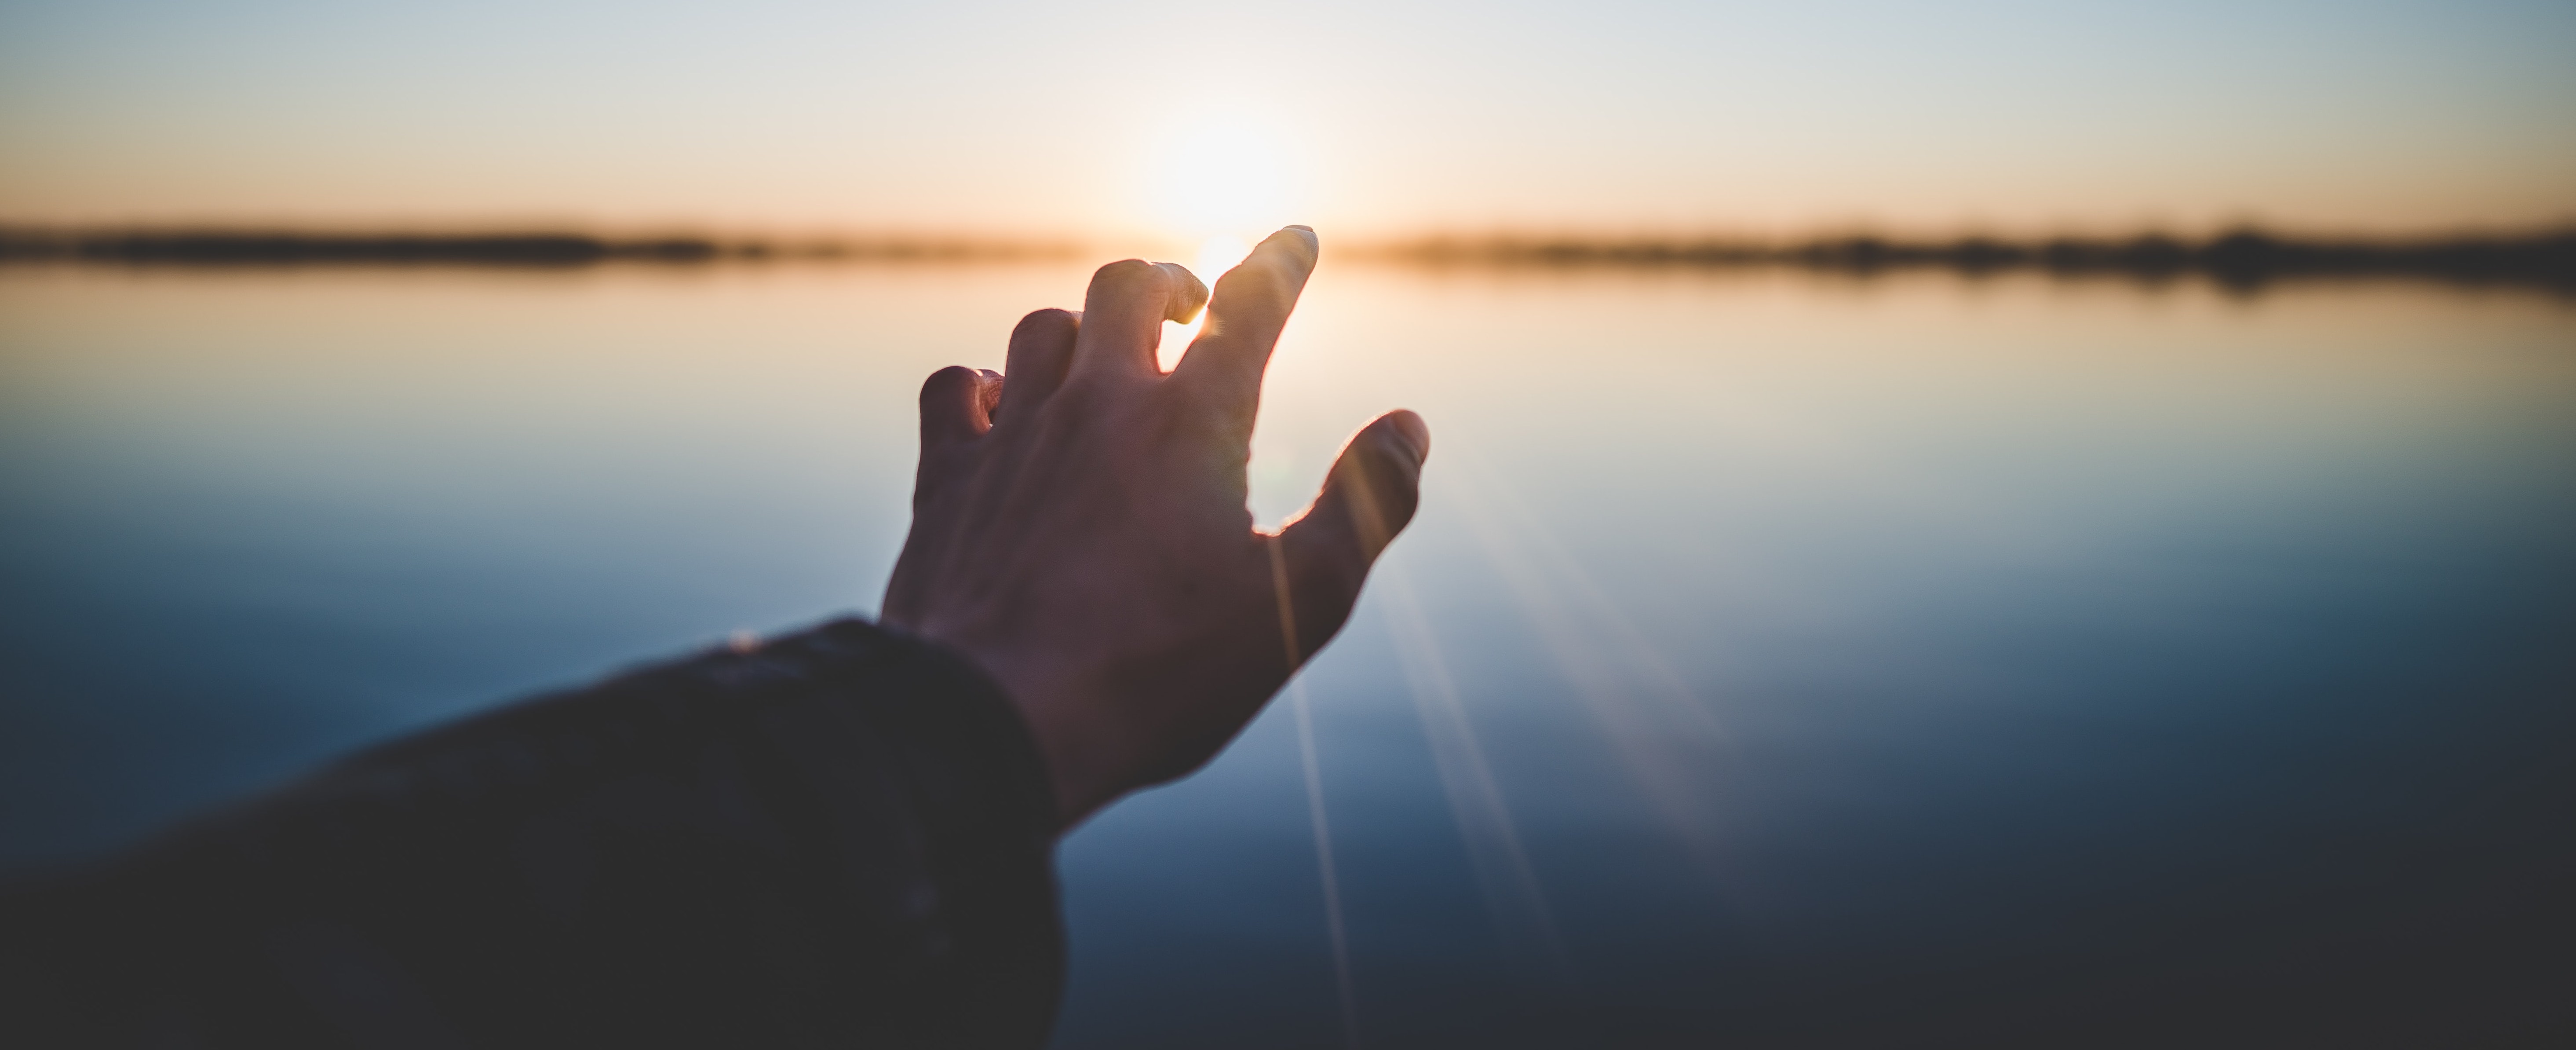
(2240, 259)
(288, 248)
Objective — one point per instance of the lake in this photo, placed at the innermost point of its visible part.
(1779, 659)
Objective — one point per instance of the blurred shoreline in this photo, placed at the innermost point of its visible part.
(2241, 259)
(213, 246)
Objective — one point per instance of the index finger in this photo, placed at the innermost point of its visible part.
(1251, 304)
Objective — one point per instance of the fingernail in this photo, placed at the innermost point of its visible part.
(1313, 245)
(1415, 433)
(1193, 293)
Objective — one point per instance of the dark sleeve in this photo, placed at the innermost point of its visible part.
(840, 838)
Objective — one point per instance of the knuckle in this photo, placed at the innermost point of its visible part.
(1217, 400)
(1331, 578)
(1079, 396)
(1249, 281)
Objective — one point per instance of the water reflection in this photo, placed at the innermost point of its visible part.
(1776, 657)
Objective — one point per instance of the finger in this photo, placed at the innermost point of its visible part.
(1041, 349)
(1252, 304)
(957, 404)
(1123, 315)
(1368, 498)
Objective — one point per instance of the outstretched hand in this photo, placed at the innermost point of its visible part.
(1080, 530)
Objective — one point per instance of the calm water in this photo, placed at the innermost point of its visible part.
(1777, 660)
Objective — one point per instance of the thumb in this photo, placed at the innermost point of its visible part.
(1368, 498)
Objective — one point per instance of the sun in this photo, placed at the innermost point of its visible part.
(1223, 176)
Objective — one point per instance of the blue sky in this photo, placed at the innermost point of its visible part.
(1381, 117)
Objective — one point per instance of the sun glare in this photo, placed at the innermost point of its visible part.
(1217, 255)
(1224, 176)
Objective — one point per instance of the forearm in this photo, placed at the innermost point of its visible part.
(842, 836)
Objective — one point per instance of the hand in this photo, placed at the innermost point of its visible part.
(1080, 530)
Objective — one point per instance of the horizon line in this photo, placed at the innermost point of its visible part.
(2245, 256)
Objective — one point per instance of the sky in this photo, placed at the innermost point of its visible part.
(1377, 118)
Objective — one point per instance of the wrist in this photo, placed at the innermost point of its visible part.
(1080, 754)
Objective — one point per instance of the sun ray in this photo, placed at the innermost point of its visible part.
(1512, 892)
(1665, 764)
(1342, 987)
(1314, 773)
